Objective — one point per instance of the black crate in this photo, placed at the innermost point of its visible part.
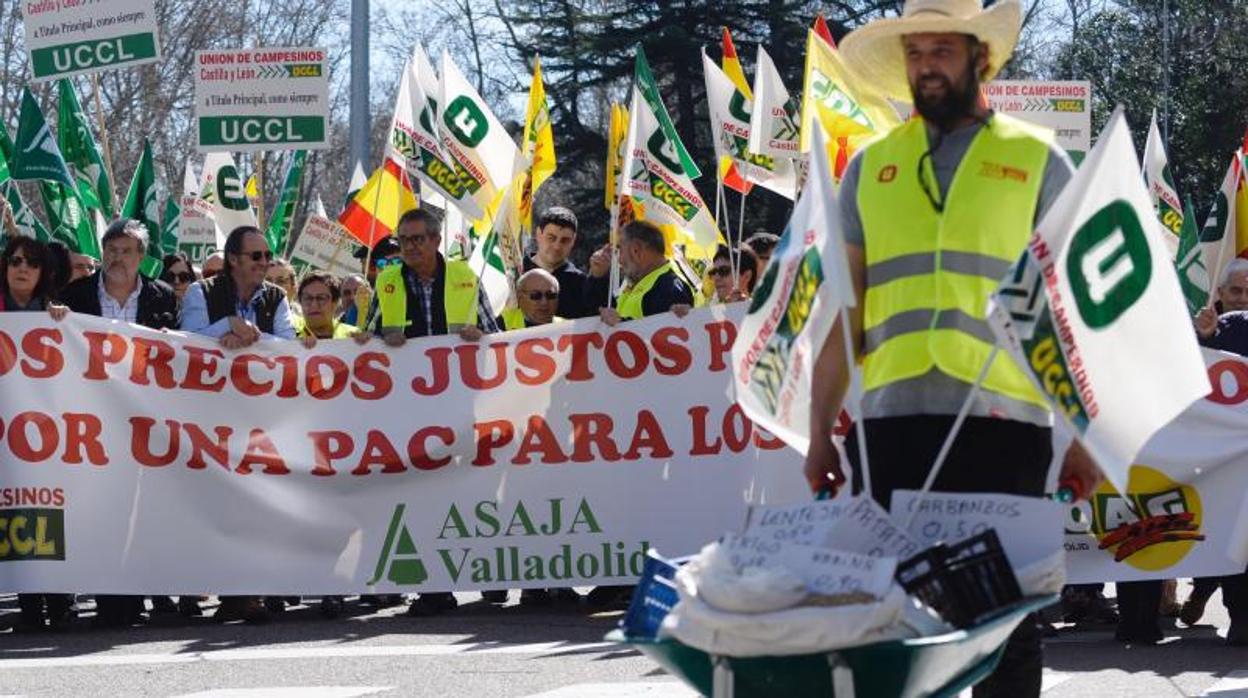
(966, 583)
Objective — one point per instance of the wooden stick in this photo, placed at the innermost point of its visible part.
(10, 221)
(108, 153)
(259, 164)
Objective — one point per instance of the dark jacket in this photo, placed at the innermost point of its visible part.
(158, 305)
(221, 296)
(574, 300)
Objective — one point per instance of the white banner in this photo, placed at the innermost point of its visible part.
(249, 100)
(1062, 105)
(71, 38)
(136, 461)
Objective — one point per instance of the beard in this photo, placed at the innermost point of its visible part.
(958, 100)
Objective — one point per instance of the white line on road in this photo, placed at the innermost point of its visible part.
(1233, 685)
(303, 653)
(290, 692)
(625, 689)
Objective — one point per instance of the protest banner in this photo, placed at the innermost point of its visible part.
(249, 100)
(531, 459)
(72, 38)
(1062, 105)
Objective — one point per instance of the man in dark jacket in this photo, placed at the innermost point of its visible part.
(118, 292)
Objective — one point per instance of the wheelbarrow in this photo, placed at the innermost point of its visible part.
(940, 666)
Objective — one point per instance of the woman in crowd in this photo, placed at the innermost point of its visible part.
(27, 285)
(727, 287)
(282, 273)
(178, 273)
(318, 296)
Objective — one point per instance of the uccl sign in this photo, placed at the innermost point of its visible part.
(69, 38)
(262, 99)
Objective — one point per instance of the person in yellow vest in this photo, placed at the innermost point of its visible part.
(318, 296)
(654, 285)
(934, 214)
(537, 299)
(427, 295)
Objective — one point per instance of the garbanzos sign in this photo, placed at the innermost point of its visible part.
(554, 455)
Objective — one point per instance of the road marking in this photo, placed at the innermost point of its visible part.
(279, 653)
(627, 689)
(1233, 685)
(290, 692)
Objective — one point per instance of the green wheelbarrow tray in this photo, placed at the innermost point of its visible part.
(940, 665)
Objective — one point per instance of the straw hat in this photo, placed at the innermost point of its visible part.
(874, 51)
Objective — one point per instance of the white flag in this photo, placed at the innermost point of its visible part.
(474, 138)
(794, 306)
(1218, 237)
(223, 187)
(1094, 314)
(775, 117)
(1160, 183)
(730, 130)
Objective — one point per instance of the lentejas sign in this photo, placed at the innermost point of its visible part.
(248, 100)
(69, 38)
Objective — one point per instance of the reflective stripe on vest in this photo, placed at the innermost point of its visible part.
(629, 306)
(459, 296)
(929, 274)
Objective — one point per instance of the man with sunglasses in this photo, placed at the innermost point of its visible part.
(238, 307)
(537, 301)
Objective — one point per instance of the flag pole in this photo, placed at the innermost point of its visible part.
(259, 165)
(108, 154)
(10, 221)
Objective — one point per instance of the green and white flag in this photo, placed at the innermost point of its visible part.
(1160, 182)
(1189, 262)
(1096, 278)
(730, 129)
(197, 234)
(473, 138)
(71, 222)
(775, 117)
(169, 225)
(25, 219)
(142, 205)
(654, 174)
(223, 188)
(487, 261)
(73, 135)
(1218, 237)
(35, 155)
(358, 180)
(283, 218)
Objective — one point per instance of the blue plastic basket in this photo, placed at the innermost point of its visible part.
(653, 598)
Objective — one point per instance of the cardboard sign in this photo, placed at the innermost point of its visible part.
(1030, 528)
(248, 100)
(825, 571)
(867, 529)
(810, 523)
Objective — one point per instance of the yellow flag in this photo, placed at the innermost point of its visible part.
(537, 149)
(849, 109)
(616, 133)
(1241, 207)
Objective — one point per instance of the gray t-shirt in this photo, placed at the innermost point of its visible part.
(936, 392)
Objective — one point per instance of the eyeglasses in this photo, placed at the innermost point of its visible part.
(386, 261)
(536, 296)
(319, 299)
(180, 277)
(719, 271)
(417, 239)
(19, 261)
(257, 255)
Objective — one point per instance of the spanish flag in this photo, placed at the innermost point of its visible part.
(374, 212)
(729, 174)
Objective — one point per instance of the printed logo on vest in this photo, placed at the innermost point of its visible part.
(996, 170)
(389, 288)
(887, 174)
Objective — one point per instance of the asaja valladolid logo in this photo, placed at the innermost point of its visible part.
(32, 523)
(487, 542)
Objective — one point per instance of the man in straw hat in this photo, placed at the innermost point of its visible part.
(934, 214)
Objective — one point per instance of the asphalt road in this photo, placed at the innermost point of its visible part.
(484, 650)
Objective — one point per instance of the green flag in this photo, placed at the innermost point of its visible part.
(283, 217)
(169, 225)
(22, 215)
(643, 80)
(141, 205)
(73, 135)
(71, 222)
(1193, 277)
(35, 155)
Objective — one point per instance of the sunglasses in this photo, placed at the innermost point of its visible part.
(387, 261)
(536, 296)
(720, 271)
(180, 277)
(20, 261)
(257, 255)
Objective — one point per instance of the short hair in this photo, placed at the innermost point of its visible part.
(33, 250)
(128, 228)
(762, 242)
(746, 261)
(321, 277)
(647, 233)
(558, 215)
(283, 263)
(537, 273)
(357, 278)
(432, 221)
(1238, 265)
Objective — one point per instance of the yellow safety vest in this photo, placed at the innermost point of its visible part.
(513, 319)
(629, 305)
(929, 274)
(459, 297)
(342, 330)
